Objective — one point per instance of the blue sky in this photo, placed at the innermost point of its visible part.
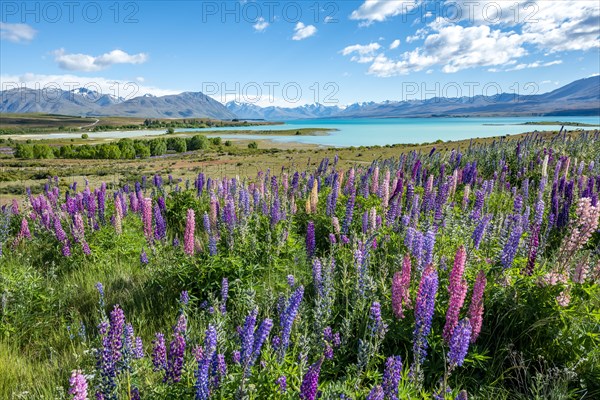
(270, 52)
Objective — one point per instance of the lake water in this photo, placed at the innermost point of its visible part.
(365, 132)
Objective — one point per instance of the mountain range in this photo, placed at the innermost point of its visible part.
(581, 97)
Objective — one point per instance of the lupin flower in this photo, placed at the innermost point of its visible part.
(159, 353)
(310, 239)
(400, 288)
(510, 248)
(476, 308)
(118, 217)
(224, 295)
(377, 326)
(144, 258)
(457, 289)
(147, 218)
(282, 383)
(24, 232)
(391, 377)
(78, 386)
(202, 373)
(479, 231)
(376, 393)
(161, 226)
(428, 244)
(424, 309)
(188, 239)
(317, 276)
(459, 343)
(310, 382)
(462, 395)
(287, 320)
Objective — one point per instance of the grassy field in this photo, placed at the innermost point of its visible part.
(349, 272)
(234, 160)
(31, 123)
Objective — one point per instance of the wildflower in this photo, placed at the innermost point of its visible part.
(78, 386)
(184, 298)
(118, 217)
(376, 393)
(457, 289)
(282, 383)
(188, 241)
(317, 276)
(202, 373)
(376, 324)
(310, 382)
(476, 308)
(287, 320)
(310, 240)
(161, 225)
(224, 295)
(479, 231)
(459, 343)
(391, 377)
(564, 298)
(147, 218)
(159, 353)
(424, 309)
(510, 248)
(290, 280)
(428, 244)
(144, 257)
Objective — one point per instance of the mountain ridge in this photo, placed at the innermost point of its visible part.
(580, 97)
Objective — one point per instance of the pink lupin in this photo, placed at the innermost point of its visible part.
(457, 288)
(400, 288)
(190, 226)
(476, 308)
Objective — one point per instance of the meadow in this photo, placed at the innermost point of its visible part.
(446, 271)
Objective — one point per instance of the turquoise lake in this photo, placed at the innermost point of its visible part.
(366, 132)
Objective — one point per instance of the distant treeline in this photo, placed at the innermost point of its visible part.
(123, 149)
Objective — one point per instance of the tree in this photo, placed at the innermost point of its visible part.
(85, 136)
(24, 151)
(127, 148)
(158, 147)
(42, 151)
(170, 131)
(198, 142)
(141, 149)
(253, 145)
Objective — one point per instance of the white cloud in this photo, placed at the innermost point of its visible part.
(85, 62)
(480, 35)
(380, 10)
(536, 64)
(115, 87)
(454, 48)
(302, 31)
(260, 25)
(17, 33)
(395, 44)
(365, 53)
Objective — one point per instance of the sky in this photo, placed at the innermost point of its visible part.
(290, 53)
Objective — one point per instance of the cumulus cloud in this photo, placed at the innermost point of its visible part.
(483, 33)
(302, 31)
(395, 44)
(363, 53)
(16, 33)
(380, 10)
(260, 25)
(115, 87)
(88, 63)
(455, 48)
